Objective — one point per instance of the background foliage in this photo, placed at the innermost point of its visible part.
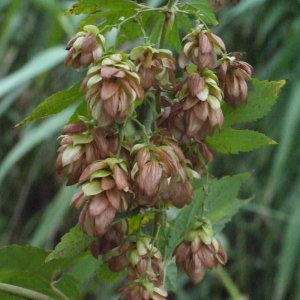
(262, 241)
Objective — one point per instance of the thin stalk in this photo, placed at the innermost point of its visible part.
(121, 137)
(142, 127)
(228, 283)
(161, 45)
(22, 292)
(58, 292)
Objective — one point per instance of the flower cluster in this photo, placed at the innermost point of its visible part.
(118, 172)
(199, 251)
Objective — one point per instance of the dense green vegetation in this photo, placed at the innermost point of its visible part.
(262, 241)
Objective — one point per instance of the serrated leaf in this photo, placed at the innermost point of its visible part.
(81, 110)
(106, 13)
(204, 8)
(219, 201)
(222, 195)
(235, 207)
(25, 267)
(92, 6)
(261, 97)
(55, 104)
(234, 141)
(72, 243)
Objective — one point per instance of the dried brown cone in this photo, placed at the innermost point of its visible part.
(196, 257)
(202, 104)
(85, 47)
(105, 190)
(159, 173)
(112, 88)
(81, 146)
(141, 259)
(156, 67)
(111, 239)
(201, 48)
(143, 291)
(233, 76)
(172, 120)
(199, 154)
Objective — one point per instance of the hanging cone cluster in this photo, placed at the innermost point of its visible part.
(119, 171)
(199, 251)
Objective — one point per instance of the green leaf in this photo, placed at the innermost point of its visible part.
(220, 201)
(81, 110)
(55, 104)
(66, 283)
(182, 24)
(234, 141)
(235, 207)
(172, 37)
(204, 10)
(171, 277)
(25, 267)
(153, 25)
(106, 274)
(72, 243)
(129, 31)
(262, 96)
(92, 6)
(106, 13)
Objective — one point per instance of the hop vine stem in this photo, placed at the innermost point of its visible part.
(23, 292)
(162, 42)
(159, 215)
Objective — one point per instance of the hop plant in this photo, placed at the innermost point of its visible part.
(139, 145)
(129, 168)
(153, 171)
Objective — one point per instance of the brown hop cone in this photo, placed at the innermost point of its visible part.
(105, 190)
(199, 251)
(198, 154)
(81, 146)
(139, 290)
(156, 67)
(111, 239)
(233, 76)
(201, 48)
(141, 259)
(159, 173)
(202, 103)
(85, 47)
(172, 119)
(112, 88)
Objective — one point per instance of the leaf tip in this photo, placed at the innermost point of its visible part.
(272, 142)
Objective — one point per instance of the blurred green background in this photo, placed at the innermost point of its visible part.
(262, 241)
